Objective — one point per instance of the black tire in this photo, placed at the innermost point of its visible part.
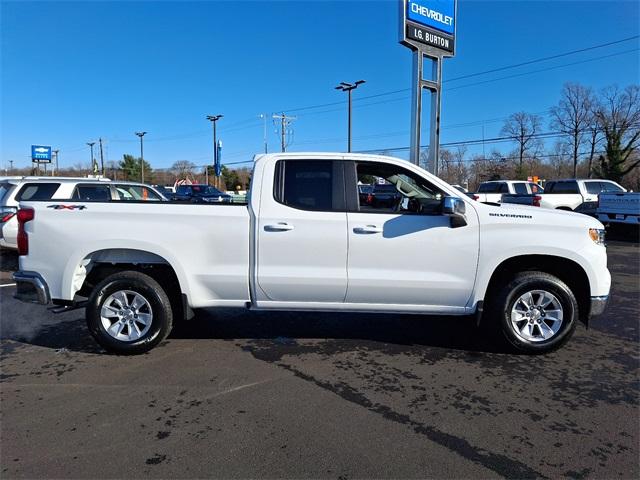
(151, 291)
(501, 303)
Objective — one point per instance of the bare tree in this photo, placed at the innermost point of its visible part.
(560, 159)
(618, 116)
(183, 168)
(573, 115)
(523, 128)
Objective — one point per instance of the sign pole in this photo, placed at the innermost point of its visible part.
(428, 27)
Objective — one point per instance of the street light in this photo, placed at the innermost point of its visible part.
(347, 87)
(141, 134)
(91, 144)
(214, 119)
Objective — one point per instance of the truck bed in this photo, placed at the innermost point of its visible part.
(191, 238)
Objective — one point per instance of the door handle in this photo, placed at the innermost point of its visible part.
(278, 227)
(368, 229)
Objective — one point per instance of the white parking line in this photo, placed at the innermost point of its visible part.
(8, 285)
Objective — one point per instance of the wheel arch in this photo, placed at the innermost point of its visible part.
(567, 270)
(99, 264)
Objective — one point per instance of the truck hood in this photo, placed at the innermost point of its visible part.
(540, 216)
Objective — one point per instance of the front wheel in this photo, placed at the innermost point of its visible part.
(537, 312)
(129, 313)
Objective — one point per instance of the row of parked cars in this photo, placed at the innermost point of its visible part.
(13, 190)
(603, 199)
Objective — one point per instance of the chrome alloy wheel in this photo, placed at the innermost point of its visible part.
(536, 316)
(126, 315)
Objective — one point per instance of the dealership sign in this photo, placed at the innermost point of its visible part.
(40, 153)
(429, 23)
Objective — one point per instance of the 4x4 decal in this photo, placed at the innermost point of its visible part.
(67, 207)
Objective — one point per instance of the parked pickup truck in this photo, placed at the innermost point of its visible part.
(306, 242)
(493, 191)
(565, 194)
(619, 208)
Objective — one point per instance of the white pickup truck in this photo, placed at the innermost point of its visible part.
(566, 194)
(305, 241)
(492, 191)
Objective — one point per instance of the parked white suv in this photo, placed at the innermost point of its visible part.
(14, 190)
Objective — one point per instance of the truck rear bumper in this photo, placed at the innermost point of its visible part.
(598, 305)
(31, 288)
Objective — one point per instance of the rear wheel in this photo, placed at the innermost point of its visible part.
(537, 312)
(129, 313)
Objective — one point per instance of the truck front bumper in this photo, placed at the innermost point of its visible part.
(31, 288)
(598, 305)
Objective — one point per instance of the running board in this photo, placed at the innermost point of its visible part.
(67, 308)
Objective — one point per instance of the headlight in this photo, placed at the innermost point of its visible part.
(597, 235)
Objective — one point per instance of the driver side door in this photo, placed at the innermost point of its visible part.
(407, 254)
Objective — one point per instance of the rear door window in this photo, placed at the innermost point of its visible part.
(492, 187)
(593, 188)
(565, 187)
(309, 185)
(520, 188)
(136, 193)
(37, 191)
(92, 193)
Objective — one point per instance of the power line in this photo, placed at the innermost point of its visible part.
(498, 69)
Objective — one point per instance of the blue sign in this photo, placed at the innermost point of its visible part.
(438, 14)
(218, 164)
(40, 153)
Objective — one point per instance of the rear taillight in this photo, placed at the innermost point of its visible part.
(476, 197)
(24, 215)
(536, 200)
(6, 217)
(7, 213)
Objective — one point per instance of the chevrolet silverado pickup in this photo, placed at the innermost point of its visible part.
(306, 241)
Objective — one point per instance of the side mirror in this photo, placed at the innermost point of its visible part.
(455, 208)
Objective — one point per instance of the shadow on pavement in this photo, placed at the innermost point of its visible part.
(459, 333)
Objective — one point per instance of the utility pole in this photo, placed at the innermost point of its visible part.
(285, 122)
(263, 116)
(91, 144)
(56, 170)
(347, 87)
(10, 166)
(214, 119)
(101, 157)
(141, 134)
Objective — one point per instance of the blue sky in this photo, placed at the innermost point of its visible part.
(76, 71)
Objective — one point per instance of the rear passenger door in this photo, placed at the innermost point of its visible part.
(302, 233)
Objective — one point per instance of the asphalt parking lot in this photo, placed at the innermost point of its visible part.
(247, 394)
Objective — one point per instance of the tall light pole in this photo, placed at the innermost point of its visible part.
(214, 119)
(141, 134)
(91, 144)
(347, 87)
